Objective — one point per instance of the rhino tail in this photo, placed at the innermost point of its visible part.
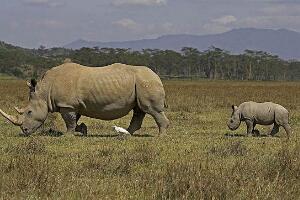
(165, 104)
(137, 98)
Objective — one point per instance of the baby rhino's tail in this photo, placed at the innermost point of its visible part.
(165, 104)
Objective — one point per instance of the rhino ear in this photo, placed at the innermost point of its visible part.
(28, 84)
(33, 82)
(31, 85)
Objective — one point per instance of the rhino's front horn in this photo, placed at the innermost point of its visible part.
(19, 110)
(12, 119)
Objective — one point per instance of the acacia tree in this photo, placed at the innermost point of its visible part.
(191, 61)
(214, 63)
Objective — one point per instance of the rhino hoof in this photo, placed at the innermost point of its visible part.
(256, 132)
(82, 128)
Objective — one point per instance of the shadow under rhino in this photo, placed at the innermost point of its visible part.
(253, 135)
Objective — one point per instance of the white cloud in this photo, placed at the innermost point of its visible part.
(282, 9)
(45, 3)
(219, 25)
(223, 24)
(45, 24)
(126, 23)
(225, 20)
(215, 28)
(139, 30)
(272, 22)
(36, 1)
(139, 2)
(52, 23)
(154, 30)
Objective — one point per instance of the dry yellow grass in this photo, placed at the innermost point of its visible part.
(200, 159)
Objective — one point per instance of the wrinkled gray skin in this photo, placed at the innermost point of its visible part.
(253, 113)
(105, 93)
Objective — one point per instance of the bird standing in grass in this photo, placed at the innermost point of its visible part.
(121, 130)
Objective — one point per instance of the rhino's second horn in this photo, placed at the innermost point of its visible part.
(19, 110)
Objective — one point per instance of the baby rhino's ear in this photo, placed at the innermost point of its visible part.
(234, 107)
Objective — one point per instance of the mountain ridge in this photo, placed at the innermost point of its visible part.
(282, 42)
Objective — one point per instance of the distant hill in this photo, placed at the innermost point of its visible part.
(284, 43)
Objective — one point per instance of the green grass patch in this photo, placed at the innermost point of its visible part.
(199, 159)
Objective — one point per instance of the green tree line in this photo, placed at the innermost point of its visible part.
(214, 63)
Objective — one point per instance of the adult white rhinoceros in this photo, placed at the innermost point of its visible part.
(105, 93)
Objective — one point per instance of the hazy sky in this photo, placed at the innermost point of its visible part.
(30, 23)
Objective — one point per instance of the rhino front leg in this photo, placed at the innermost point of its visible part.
(70, 121)
(71, 118)
(250, 127)
(82, 128)
(161, 121)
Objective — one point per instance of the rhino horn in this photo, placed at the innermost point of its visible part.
(12, 119)
(19, 110)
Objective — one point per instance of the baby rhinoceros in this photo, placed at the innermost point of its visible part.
(266, 113)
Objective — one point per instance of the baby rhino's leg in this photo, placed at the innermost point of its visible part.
(287, 129)
(250, 127)
(274, 129)
(282, 119)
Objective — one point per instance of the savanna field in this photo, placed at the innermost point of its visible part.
(199, 159)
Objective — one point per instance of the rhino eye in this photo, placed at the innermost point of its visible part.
(231, 121)
(29, 112)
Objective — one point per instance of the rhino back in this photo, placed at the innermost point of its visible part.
(99, 92)
(261, 113)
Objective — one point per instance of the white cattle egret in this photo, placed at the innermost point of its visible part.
(120, 130)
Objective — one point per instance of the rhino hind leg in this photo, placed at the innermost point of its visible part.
(287, 129)
(275, 129)
(156, 111)
(161, 121)
(136, 121)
